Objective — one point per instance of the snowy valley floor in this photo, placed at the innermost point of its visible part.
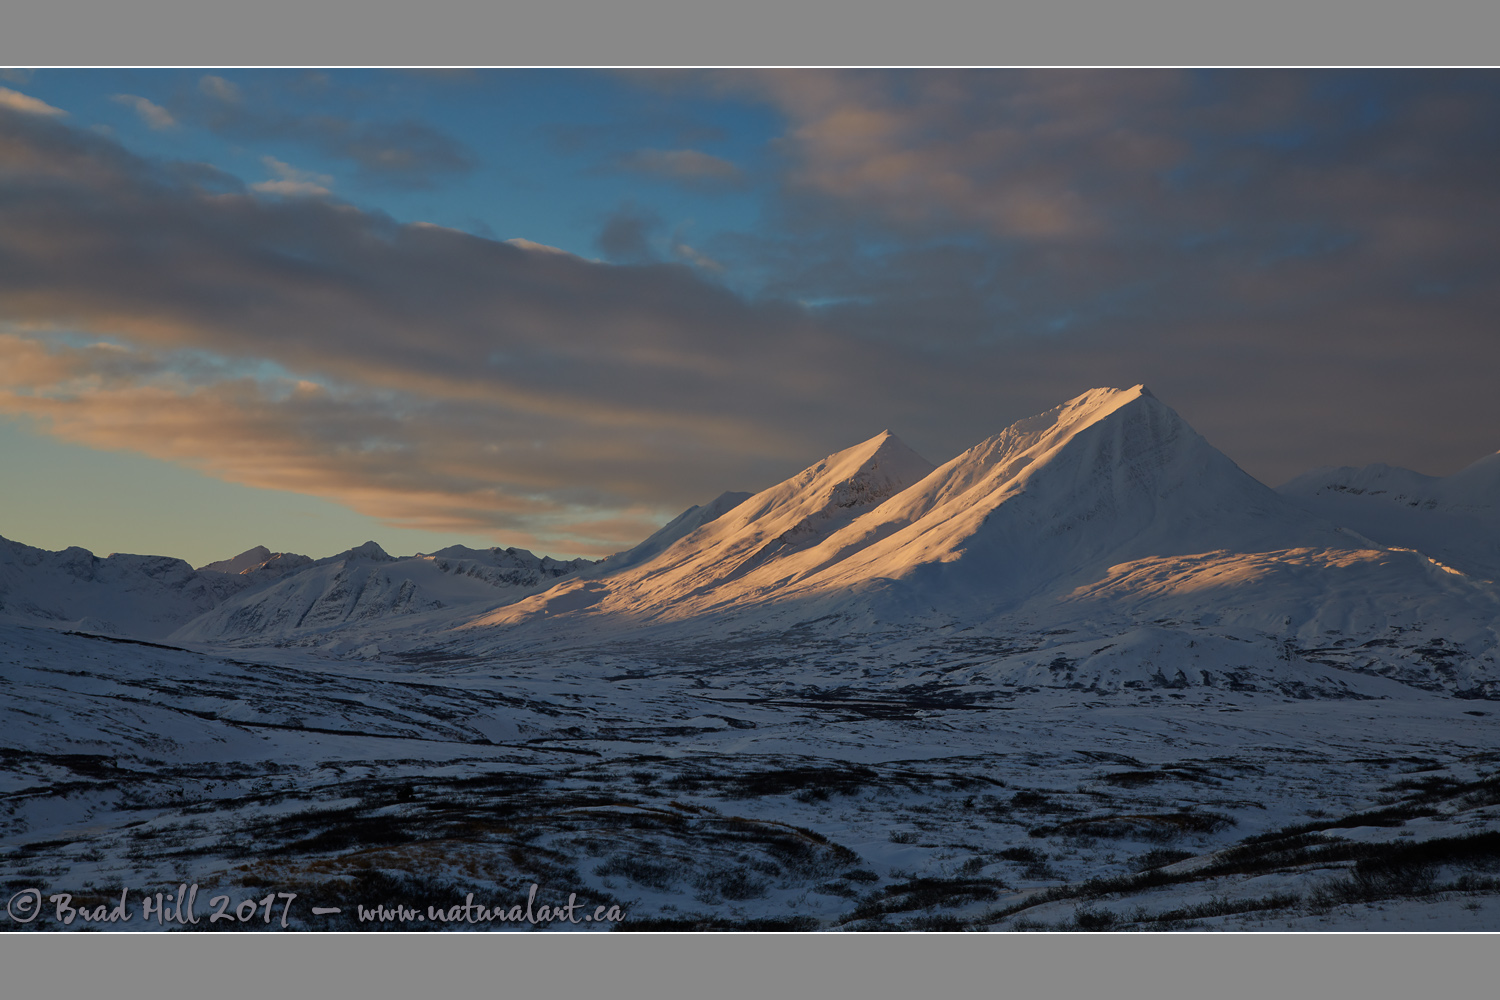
(717, 790)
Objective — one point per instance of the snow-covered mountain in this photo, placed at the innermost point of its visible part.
(1051, 502)
(260, 562)
(735, 557)
(1455, 519)
(129, 595)
(342, 601)
(1054, 501)
(680, 526)
(1107, 520)
(260, 595)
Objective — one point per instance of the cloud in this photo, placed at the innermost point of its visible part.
(154, 115)
(525, 244)
(689, 255)
(280, 434)
(688, 165)
(11, 75)
(220, 89)
(26, 105)
(400, 153)
(292, 182)
(978, 150)
(626, 236)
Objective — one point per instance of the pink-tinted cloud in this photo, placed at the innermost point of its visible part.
(356, 448)
(969, 149)
(25, 104)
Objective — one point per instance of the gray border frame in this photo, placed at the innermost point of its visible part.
(684, 32)
(1030, 966)
(765, 33)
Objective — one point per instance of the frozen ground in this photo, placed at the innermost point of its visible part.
(707, 788)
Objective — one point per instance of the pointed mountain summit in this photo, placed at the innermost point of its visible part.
(824, 497)
(1109, 476)
(790, 517)
(700, 567)
(683, 524)
(259, 563)
(369, 550)
(1476, 485)
(1053, 500)
(247, 560)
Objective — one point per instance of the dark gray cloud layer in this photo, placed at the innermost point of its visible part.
(625, 237)
(1302, 264)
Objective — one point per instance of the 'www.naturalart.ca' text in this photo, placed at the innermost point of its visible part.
(180, 909)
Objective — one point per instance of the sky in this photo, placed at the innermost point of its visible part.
(553, 308)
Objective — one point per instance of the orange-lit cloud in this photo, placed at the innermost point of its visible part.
(17, 101)
(298, 436)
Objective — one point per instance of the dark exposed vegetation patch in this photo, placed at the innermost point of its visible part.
(1380, 871)
(1140, 826)
(817, 783)
(45, 845)
(1132, 779)
(655, 874)
(922, 894)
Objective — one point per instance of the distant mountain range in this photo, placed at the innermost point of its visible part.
(273, 598)
(1107, 516)
(1456, 519)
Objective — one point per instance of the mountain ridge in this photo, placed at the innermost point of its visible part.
(1104, 518)
(1454, 519)
(1108, 476)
